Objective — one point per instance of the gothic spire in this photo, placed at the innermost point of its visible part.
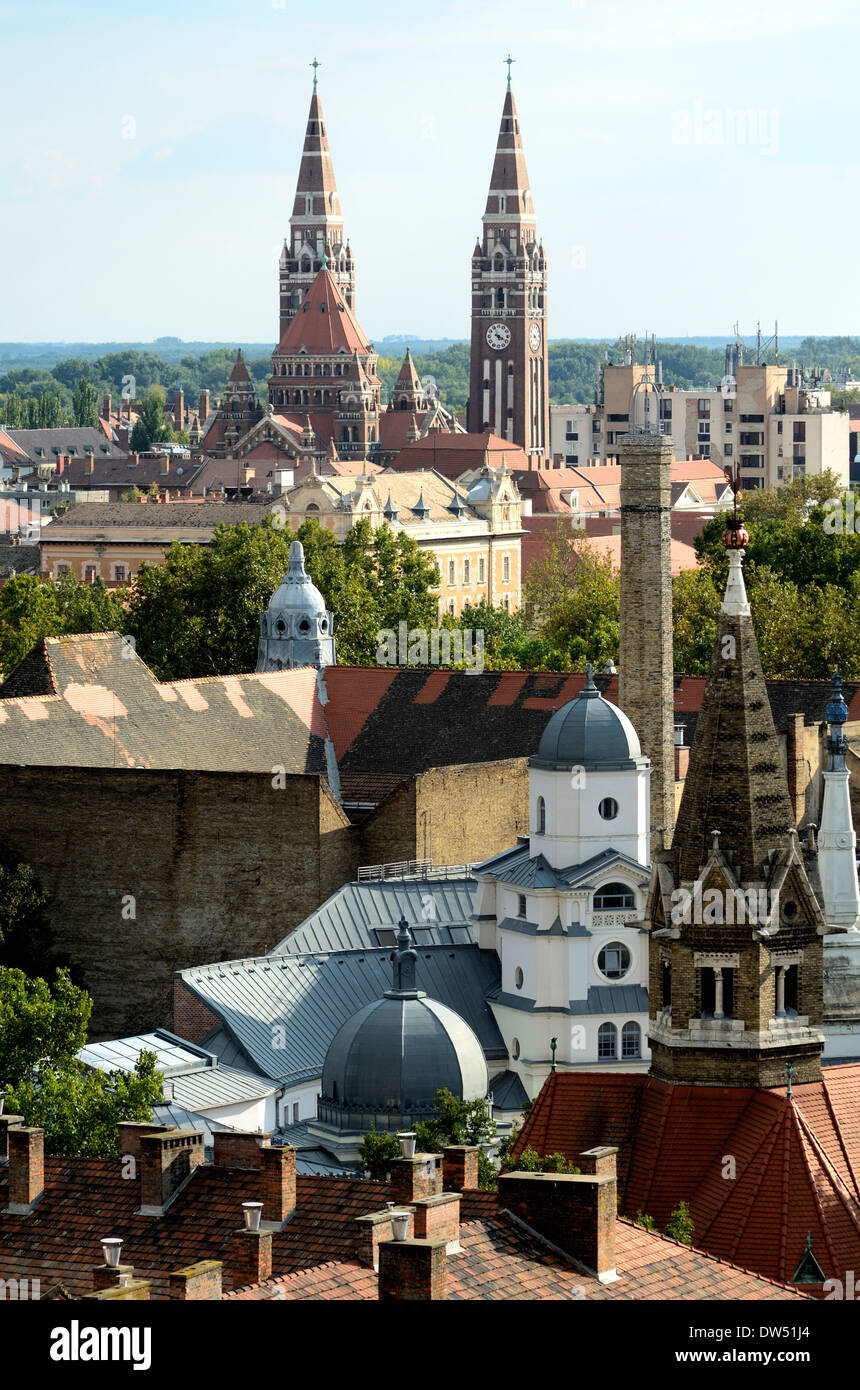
(510, 193)
(736, 783)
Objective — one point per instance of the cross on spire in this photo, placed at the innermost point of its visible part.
(315, 65)
(509, 60)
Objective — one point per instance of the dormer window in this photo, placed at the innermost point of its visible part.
(614, 897)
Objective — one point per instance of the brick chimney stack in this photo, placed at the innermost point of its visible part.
(250, 1257)
(416, 1177)
(201, 1282)
(460, 1167)
(413, 1270)
(576, 1211)
(179, 408)
(166, 1163)
(26, 1148)
(203, 407)
(279, 1184)
(105, 407)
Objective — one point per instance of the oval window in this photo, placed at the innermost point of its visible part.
(515, 1048)
(608, 808)
(518, 977)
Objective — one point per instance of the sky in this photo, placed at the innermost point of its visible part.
(692, 163)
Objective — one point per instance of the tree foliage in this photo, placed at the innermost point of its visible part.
(32, 608)
(680, 1225)
(42, 1028)
(152, 425)
(377, 1151)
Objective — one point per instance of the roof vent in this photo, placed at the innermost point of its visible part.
(400, 1224)
(112, 1245)
(253, 1211)
(406, 1139)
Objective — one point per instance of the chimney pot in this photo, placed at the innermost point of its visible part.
(406, 1138)
(253, 1212)
(112, 1247)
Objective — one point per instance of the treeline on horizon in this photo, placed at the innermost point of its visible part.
(574, 371)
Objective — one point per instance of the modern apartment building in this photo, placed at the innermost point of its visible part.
(762, 421)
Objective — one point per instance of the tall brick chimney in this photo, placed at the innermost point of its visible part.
(203, 407)
(576, 1211)
(105, 407)
(179, 408)
(26, 1148)
(412, 1270)
(166, 1163)
(279, 1183)
(459, 1167)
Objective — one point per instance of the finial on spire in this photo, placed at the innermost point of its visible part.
(789, 1068)
(315, 65)
(715, 841)
(553, 1044)
(324, 261)
(404, 960)
(508, 60)
(589, 677)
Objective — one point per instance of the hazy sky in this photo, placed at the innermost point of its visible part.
(692, 162)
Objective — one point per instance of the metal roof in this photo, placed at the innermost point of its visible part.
(199, 1090)
(284, 1011)
(612, 999)
(170, 1114)
(438, 912)
(518, 867)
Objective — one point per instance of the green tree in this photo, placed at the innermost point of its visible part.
(377, 1151)
(85, 406)
(459, 1121)
(680, 1225)
(25, 935)
(83, 607)
(42, 1028)
(571, 600)
(28, 611)
(695, 613)
(152, 425)
(530, 1161)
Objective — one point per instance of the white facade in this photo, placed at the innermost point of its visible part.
(563, 909)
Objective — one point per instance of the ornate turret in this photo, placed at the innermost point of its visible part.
(296, 628)
(736, 975)
(837, 842)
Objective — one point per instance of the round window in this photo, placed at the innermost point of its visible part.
(518, 977)
(515, 1048)
(614, 961)
(608, 808)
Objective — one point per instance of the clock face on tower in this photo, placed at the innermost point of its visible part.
(498, 336)
(534, 337)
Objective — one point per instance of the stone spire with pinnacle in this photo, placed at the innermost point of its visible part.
(736, 954)
(316, 225)
(837, 841)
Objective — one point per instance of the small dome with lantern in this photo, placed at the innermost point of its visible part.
(296, 628)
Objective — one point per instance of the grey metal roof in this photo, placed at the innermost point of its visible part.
(284, 1011)
(171, 1114)
(612, 999)
(396, 1053)
(589, 732)
(508, 1091)
(312, 1159)
(227, 1050)
(516, 866)
(438, 912)
(199, 1090)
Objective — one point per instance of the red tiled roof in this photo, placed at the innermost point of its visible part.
(796, 1162)
(453, 454)
(324, 322)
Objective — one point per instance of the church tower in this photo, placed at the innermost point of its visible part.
(509, 376)
(736, 958)
(316, 226)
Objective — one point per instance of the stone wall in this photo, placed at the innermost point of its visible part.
(154, 871)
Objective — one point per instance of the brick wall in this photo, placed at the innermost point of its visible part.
(200, 854)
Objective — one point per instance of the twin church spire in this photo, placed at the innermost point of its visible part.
(509, 378)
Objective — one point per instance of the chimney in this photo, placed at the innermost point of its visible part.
(26, 1149)
(237, 1148)
(198, 1283)
(165, 465)
(459, 1167)
(178, 408)
(122, 436)
(167, 1161)
(130, 1133)
(91, 463)
(682, 754)
(7, 1122)
(575, 1211)
(412, 1178)
(111, 1273)
(374, 1229)
(412, 1270)
(279, 1183)
(203, 407)
(798, 772)
(249, 1251)
(61, 465)
(105, 407)
(438, 1218)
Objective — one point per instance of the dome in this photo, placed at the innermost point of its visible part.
(296, 593)
(386, 1063)
(589, 732)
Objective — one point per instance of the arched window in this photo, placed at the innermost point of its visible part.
(631, 1040)
(614, 961)
(614, 897)
(541, 816)
(607, 1042)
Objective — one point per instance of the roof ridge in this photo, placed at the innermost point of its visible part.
(838, 1131)
(716, 1259)
(849, 1201)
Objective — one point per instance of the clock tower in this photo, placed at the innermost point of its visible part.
(509, 387)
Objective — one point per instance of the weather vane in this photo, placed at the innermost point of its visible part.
(509, 60)
(315, 65)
